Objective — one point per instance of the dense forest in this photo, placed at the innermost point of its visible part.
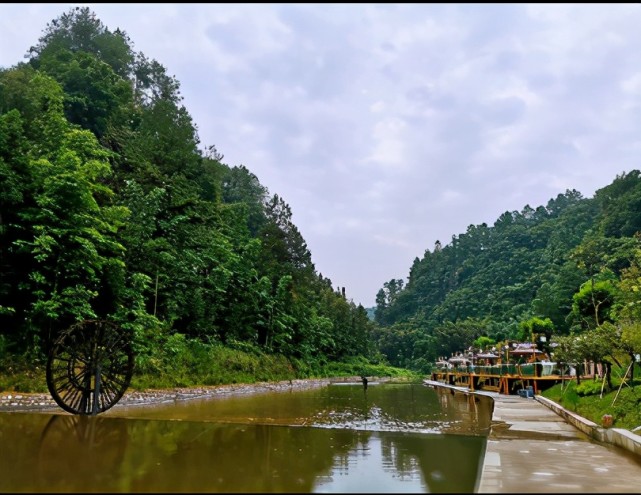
(568, 269)
(112, 208)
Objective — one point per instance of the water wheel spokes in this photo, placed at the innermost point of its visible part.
(90, 367)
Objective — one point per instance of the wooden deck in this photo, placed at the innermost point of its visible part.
(504, 380)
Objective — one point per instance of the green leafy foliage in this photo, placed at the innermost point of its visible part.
(535, 326)
(589, 387)
(109, 209)
(570, 397)
(484, 342)
(622, 403)
(567, 267)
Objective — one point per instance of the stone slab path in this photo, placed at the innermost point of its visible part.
(531, 449)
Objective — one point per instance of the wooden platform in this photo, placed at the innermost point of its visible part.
(507, 384)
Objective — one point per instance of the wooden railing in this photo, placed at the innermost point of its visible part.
(507, 378)
(525, 369)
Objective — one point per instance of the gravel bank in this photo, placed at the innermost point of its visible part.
(16, 401)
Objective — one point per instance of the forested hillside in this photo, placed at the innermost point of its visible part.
(561, 269)
(110, 208)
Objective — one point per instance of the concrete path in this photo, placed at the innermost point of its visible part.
(531, 449)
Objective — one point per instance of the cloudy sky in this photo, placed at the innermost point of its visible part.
(387, 127)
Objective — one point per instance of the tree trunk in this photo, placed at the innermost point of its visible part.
(608, 374)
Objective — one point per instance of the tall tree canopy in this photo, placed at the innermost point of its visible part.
(561, 263)
(110, 208)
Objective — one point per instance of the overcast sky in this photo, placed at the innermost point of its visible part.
(387, 127)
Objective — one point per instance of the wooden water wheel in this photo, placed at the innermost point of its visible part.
(90, 367)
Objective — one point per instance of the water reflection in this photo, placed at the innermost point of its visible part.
(398, 462)
(62, 453)
(380, 407)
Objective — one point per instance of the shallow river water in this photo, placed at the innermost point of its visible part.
(386, 438)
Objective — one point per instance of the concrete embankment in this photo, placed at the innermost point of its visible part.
(534, 447)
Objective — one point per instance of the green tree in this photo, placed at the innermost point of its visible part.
(79, 30)
(68, 223)
(599, 345)
(92, 65)
(630, 332)
(628, 310)
(533, 327)
(621, 205)
(483, 342)
(13, 197)
(593, 303)
(385, 299)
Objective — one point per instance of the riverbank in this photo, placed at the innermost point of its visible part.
(17, 401)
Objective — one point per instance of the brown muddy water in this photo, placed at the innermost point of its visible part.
(340, 438)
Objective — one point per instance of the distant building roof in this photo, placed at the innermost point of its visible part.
(487, 355)
(525, 349)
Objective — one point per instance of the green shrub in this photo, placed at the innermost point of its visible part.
(570, 397)
(21, 376)
(624, 405)
(175, 360)
(589, 387)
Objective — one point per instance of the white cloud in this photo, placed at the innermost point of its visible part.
(389, 126)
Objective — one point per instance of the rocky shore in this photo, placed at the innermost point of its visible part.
(42, 402)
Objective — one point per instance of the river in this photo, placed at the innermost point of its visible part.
(339, 438)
